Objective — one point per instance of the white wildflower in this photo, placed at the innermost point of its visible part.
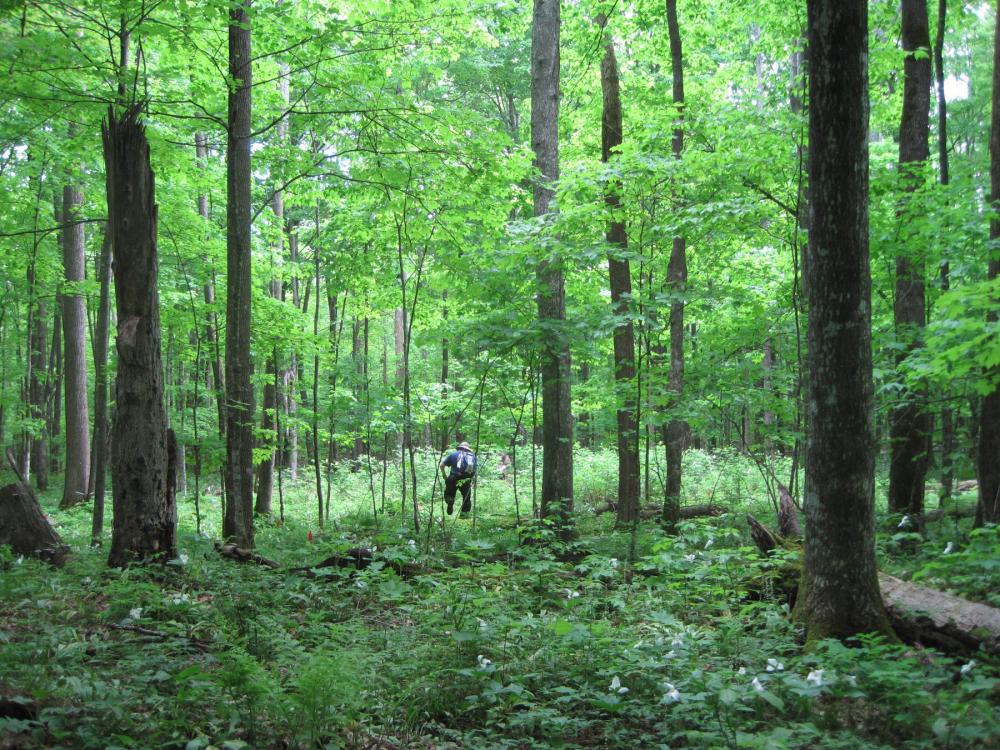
(614, 562)
(689, 558)
(135, 613)
(773, 665)
(672, 694)
(815, 677)
(904, 523)
(616, 686)
(709, 543)
(483, 625)
(966, 668)
(757, 685)
(741, 670)
(677, 641)
(20, 559)
(484, 663)
(183, 558)
(852, 680)
(86, 580)
(949, 549)
(570, 594)
(411, 543)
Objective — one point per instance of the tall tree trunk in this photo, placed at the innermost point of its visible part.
(208, 290)
(909, 429)
(36, 385)
(444, 371)
(145, 514)
(947, 415)
(840, 596)
(677, 429)
(557, 414)
(101, 388)
(291, 378)
(989, 415)
(238, 522)
(75, 361)
(621, 296)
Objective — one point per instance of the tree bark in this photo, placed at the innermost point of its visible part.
(557, 415)
(145, 515)
(677, 429)
(26, 529)
(621, 296)
(840, 594)
(988, 459)
(36, 386)
(75, 359)
(101, 388)
(909, 427)
(238, 522)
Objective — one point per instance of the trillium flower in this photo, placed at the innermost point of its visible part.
(815, 677)
(484, 663)
(741, 670)
(570, 594)
(614, 562)
(672, 694)
(904, 523)
(966, 668)
(135, 613)
(949, 549)
(689, 558)
(411, 544)
(183, 558)
(616, 686)
(773, 665)
(757, 685)
(709, 543)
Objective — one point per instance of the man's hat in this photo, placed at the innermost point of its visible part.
(465, 446)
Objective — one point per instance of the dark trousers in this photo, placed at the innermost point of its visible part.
(463, 485)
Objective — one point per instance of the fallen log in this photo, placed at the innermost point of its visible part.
(655, 511)
(25, 528)
(244, 555)
(936, 618)
(918, 614)
(359, 558)
(939, 513)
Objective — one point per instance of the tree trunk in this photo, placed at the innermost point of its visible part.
(621, 295)
(36, 386)
(840, 596)
(947, 415)
(75, 359)
(557, 415)
(238, 522)
(101, 388)
(909, 422)
(677, 429)
(145, 515)
(25, 528)
(291, 378)
(988, 459)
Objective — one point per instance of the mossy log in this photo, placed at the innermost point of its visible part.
(656, 511)
(244, 555)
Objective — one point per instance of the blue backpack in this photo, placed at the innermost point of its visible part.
(465, 464)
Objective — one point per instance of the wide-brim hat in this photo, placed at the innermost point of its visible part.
(465, 446)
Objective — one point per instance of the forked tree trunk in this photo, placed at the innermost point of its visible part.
(557, 414)
(237, 524)
(677, 429)
(75, 362)
(145, 516)
(989, 425)
(621, 295)
(840, 593)
(909, 428)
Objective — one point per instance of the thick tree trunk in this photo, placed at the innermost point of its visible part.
(237, 525)
(840, 596)
(677, 429)
(557, 415)
(989, 425)
(75, 361)
(101, 388)
(909, 427)
(621, 295)
(145, 516)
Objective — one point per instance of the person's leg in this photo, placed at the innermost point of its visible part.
(449, 493)
(466, 489)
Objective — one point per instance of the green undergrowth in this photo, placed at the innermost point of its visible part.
(493, 643)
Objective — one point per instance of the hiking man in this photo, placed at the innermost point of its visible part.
(463, 468)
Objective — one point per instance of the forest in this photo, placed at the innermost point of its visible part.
(499, 374)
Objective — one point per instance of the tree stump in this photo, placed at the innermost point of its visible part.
(26, 529)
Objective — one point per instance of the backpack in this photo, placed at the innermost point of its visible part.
(465, 464)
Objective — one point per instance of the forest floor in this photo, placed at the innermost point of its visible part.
(646, 641)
